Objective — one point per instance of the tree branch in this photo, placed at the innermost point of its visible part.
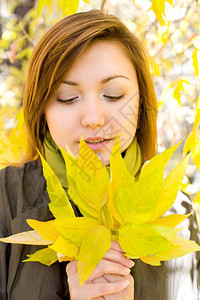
(103, 4)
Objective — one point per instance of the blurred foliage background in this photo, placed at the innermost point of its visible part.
(169, 29)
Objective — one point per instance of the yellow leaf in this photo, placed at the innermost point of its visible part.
(86, 172)
(190, 143)
(46, 229)
(160, 5)
(69, 250)
(183, 247)
(151, 260)
(45, 256)
(28, 238)
(177, 95)
(70, 7)
(171, 185)
(158, 14)
(196, 200)
(41, 4)
(119, 177)
(156, 166)
(193, 144)
(196, 155)
(156, 70)
(132, 202)
(197, 119)
(91, 252)
(171, 220)
(170, 2)
(107, 219)
(143, 240)
(196, 62)
(74, 229)
(71, 170)
(94, 194)
(60, 205)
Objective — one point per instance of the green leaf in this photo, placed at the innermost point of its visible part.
(28, 238)
(45, 256)
(93, 248)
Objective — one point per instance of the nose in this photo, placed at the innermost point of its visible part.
(93, 113)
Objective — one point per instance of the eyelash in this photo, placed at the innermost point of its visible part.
(72, 100)
(67, 101)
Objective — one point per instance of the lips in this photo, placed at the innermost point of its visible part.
(97, 145)
(95, 139)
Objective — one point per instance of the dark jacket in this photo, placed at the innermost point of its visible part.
(23, 196)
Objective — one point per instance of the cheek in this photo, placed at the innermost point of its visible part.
(58, 118)
(127, 114)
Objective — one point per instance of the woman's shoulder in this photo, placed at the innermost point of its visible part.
(15, 172)
(22, 188)
(27, 175)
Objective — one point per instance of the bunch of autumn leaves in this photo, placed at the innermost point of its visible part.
(113, 207)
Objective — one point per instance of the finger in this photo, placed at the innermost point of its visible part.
(72, 275)
(72, 268)
(127, 293)
(118, 257)
(103, 289)
(101, 280)
(115, 245)
(108, 267)
(112, 278)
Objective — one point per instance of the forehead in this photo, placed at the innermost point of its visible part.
(102, 56)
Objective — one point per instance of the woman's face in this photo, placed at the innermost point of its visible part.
(99, 99)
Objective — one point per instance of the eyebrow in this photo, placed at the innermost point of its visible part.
(105, 80)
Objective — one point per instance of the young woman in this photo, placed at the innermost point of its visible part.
(89, 75)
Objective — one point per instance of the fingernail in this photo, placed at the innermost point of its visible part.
(131, 263)
(127, 270)
(125, 283)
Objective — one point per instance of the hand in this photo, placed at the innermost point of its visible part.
(113, 264)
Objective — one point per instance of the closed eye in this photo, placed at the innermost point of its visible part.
(113, 98)
(67, 101)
